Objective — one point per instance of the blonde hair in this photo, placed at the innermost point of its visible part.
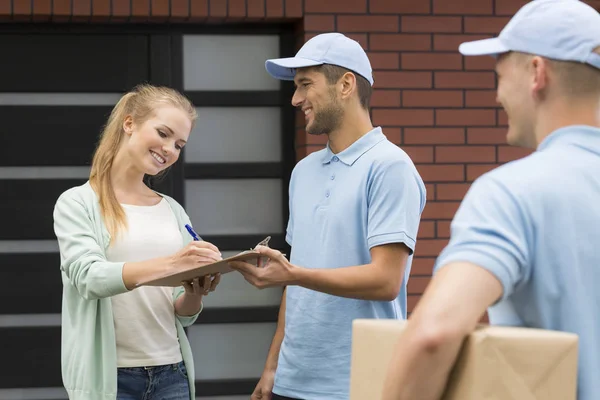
(140, 103)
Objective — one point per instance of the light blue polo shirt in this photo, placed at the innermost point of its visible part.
(340, 206)
(535, 224)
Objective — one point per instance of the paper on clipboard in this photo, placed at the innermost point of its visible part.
(175, 278)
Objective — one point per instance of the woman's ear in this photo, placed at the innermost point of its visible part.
(128, 125)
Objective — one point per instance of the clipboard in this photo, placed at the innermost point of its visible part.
(174, 279)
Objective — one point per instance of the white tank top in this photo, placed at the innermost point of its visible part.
(144, 318)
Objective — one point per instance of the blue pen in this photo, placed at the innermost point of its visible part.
(192, 232)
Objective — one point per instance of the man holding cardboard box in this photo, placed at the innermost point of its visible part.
(525, 240)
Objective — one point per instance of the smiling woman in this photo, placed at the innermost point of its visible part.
(120, 340)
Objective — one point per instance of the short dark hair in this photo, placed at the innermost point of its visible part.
(333, 73)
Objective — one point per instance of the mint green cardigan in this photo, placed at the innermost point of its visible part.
(88, 348)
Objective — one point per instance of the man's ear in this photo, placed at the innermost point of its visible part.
(348, 84)
(539, 67)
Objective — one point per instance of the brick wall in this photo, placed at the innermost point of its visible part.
(435, 104)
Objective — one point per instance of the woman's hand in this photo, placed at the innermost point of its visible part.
(201, 286)
(191, 301)
(195, 254)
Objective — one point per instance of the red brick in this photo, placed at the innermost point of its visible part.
(63, 7)
(485, 24)
(481, 98)
(465, 117)
(399, 42)
(419, 154)
(451, 42)
(400, 117)
(430, 24)
(483, 63)
(335, 6)
(394, 135)
(509, 7)
(432, 98)
(486, 135)
(452, 191)
(82, 10)
(417, 284)
(5, 8)
(440, 210)
(421, 265)
(21, 7)
(237, 9)
(430, 188)
(398, 7)
(502, 118)
(465, 80)
(431, 61)
(465, 154)
(319, 23)
(443, 229)
(217, 8)
(160, 8)
(412, 301)
(40, 7)
(442, 173)
(426, 230)
(275, 8)
(463, 7)
(401, 79)
(385, 98)
(140, 8)
(476, 170)
(510, 153)
(434, 136)
(381, 60)
(256, 8)
(293, 8)
(367, 23)
(430, 247)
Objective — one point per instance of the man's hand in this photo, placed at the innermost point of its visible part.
(277, 271)
(264, 388)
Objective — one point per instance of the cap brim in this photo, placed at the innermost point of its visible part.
(285, 68)
(482, 47)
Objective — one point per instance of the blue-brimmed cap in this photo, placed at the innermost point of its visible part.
(566, 30)
(326, 48)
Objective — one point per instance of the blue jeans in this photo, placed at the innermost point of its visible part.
(162, 382)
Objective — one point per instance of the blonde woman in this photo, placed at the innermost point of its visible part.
(118, 341)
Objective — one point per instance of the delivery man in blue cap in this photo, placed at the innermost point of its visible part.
(355, 208)
(525, 241)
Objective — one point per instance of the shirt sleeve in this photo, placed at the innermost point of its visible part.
(290, 225)
(396, 198)
(491, 229)
(82, 258)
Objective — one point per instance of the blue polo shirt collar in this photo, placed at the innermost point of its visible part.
(581, 135)
(356, 149)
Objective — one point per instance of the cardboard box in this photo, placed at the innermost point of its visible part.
(495, 363)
